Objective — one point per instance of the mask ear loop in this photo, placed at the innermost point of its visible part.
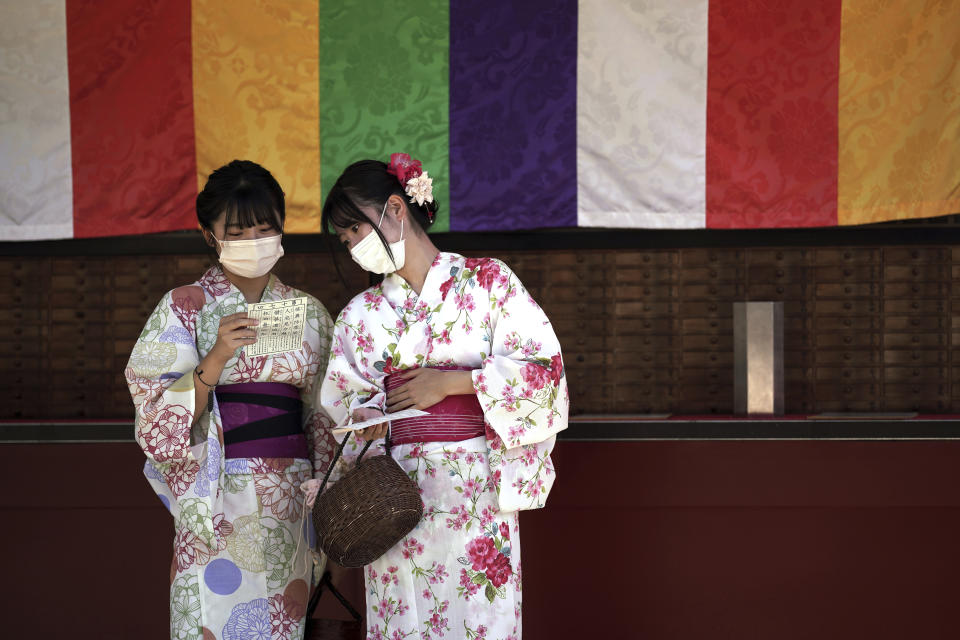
(382, 213)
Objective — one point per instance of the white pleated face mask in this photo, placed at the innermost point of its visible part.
(370, 253)
(250, 258)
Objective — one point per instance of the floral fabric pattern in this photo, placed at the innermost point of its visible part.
(458, 573)
(238, 569)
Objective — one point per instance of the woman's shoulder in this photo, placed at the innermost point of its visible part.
(476, 263)
(361, 304)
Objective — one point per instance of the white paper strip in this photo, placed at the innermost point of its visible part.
(353, 426)
(642, 113)
(36, 181)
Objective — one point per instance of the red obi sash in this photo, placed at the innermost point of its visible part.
(453, 419)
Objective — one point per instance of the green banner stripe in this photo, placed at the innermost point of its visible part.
(384, 88)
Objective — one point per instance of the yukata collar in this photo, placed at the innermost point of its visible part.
(396, 290)
(216, 284)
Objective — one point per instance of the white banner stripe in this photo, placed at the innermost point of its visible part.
(36, 181)
(641, 113)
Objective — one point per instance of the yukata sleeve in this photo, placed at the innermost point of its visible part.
(159, 376)
(522, 388)
(351, 381)
(317, 423)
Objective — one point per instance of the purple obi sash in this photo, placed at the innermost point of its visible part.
(453, 419)
(261, 420)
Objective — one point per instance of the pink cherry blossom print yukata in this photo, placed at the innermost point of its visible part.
(458, 573)
(237, 570)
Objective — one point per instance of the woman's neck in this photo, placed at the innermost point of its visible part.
(420, 254)
(251, 288)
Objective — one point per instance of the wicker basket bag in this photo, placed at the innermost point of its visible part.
(371, 508)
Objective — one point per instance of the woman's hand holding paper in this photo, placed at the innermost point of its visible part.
(374, 432)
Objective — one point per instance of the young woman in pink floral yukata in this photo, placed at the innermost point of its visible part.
(462, 339)
(230, 438)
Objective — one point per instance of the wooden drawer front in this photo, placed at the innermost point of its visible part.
(589, 295)
(645, 342)
(708, 343)
(644, 275)
(710, 291)
(911, 357)
(846, 256)
(924, 307)
(916, 375)
(916, 289)
(917, 323)
(916, 273)
(571, 326)
(918, 255)
(776, 274)
(847, 374)
(846, 322)
(651, 292)
(706, 309)
(644, 309)
(709, 257)
(778, 257)
(847, 307)
(848, 273)
(709, 360)
(847, 290)
(625, 259)
(707, 325)
(927, 340)
(562, 278)
(720, 273)
(765, 291)
(852, 340)
(848, 357)
(665, 325)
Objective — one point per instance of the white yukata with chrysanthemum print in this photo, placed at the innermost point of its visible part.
(237, 571)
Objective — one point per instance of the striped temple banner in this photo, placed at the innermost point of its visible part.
(535, 114)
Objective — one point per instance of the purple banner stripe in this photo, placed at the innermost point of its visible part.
(513, 115)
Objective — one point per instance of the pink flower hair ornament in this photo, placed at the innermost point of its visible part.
(415, 181)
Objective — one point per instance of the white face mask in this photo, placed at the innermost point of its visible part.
(250, 258)
(370, 253)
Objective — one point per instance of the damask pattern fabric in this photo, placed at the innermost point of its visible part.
(384, 87)
(772, 109)
(513, 109)
(529, 115)
(36, 187)
(458, 573)
(899, 110)
(242, 564)
(255, 74)
(131, 140)
(641, 116)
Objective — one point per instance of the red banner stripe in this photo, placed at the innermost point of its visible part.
(131, 115)
(772, 93)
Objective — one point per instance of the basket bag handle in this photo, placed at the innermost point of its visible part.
(386, 443)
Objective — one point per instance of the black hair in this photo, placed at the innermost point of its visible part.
(247, 193)
(367, 183)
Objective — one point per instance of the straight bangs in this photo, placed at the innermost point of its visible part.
(251, 208)
(340, 211)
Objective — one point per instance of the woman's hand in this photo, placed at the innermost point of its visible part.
(426, 387)
(374, 432)
(310, 488)
(234, 332)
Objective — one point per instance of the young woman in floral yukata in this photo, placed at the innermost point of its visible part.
(462, 339)
(229, 439)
